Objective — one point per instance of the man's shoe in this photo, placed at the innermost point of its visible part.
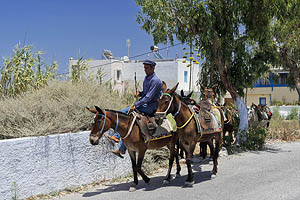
(118, 152)
(109, 139)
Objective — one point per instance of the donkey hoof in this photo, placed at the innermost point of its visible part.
(148, 182)
(177, 176)
(189, 184)
(165, 182)
(213, 175)
(132, 188)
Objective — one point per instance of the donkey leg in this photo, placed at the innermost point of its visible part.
(203, 149)
(189, 153)
(171, 147)
(178, 168)
(216, 155)
(141, 155)
(132, 155)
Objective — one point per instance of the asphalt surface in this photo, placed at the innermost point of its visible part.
(272, 174)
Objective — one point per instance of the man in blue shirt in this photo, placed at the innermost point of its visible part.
(146, 104)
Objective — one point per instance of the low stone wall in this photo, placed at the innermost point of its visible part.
(284, 111)
(40, 165)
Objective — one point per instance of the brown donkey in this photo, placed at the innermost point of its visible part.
(127, 127)
(187, 128)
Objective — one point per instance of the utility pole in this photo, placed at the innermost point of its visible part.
(167, 49)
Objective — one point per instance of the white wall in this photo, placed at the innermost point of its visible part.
(195, 71)
(284, 111)
(171, 71)
(40, 165)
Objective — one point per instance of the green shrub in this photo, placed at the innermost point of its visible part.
(276, 114)
(293, 114)
(255, 138)
(276, 103)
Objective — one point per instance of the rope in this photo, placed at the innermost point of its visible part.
(130, 129)
(186, 122)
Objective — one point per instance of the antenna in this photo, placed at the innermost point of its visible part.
(128, 45)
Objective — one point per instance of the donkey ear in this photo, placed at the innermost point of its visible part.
(190, 94)
(173, 89)
(182, 93)
(99, 110)
(91, 110)
(164, 86)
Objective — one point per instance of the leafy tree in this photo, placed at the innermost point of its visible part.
(24, 71)
(232, 36)
(286, 34)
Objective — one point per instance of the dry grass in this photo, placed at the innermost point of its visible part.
(285, 130)
(57, 108)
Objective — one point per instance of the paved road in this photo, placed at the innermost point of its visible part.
(270, 174)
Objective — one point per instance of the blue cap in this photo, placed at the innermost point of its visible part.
(149, 62)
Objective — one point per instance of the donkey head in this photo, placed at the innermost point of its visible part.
(208, 92)
(165, 102)
(100, 124)
(187, 98)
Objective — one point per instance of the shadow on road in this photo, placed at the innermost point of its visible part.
(270, 149)
(155, 183)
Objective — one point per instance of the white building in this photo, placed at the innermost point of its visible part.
(121, 73)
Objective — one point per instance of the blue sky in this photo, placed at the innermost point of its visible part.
(61, 28)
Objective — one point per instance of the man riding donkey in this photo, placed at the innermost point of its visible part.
(147, 104)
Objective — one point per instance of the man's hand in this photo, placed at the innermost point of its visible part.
(132, 108)
(196, 109)
(136, 94)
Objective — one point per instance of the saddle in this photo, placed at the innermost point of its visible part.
(147, 123)
(150, 130)
(206, 118)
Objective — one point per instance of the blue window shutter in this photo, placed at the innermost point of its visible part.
(185, 77)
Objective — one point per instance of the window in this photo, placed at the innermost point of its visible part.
(282, 80)
(262, 82)
(118, 75)
(262, 100)
(185, 77)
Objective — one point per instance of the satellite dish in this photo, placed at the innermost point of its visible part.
(154, 48)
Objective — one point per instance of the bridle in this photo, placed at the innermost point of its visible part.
(164, 114)
(102, 128)
(101, 131)
(175, 114)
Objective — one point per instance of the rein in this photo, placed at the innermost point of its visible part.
(131, 126)
(117, 123)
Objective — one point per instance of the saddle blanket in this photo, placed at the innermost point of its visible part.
(213, 125)
(166, 129)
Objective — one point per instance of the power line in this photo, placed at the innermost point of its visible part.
(139, 55)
